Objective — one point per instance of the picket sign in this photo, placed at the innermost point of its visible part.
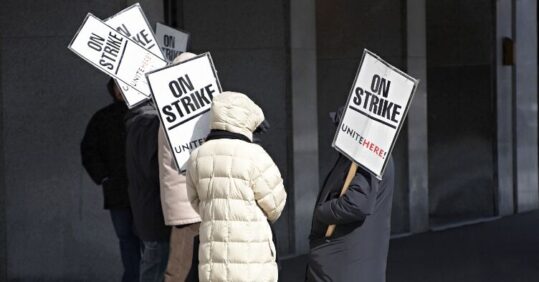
(173, 42)
(132, 22)
(115, 54)
(183, 94)
(375, 112)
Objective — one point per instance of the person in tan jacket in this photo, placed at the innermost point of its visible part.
(177, 211)
(237, 188)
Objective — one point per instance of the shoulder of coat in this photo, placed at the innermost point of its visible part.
(260, 157)
(194, 154)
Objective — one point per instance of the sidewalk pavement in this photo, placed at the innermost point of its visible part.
(504, 250)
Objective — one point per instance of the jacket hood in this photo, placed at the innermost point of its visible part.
(235, 112)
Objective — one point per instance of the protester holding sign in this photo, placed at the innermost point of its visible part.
(142, 126)
(103, 155)
(237, 188)
(374, 113)
(178, 211)
(357, 250)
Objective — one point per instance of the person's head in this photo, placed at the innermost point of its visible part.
(337, 116)
(262, 129)
(235, 112)
(114, 91)
(183, 57)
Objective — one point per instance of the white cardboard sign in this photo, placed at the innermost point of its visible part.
(374, 114)
(114, 54)
(132, 22)
(183, 94)
(172, 42)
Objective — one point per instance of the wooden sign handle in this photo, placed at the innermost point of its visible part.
(349, 178)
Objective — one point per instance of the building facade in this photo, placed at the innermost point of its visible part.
(467, 153)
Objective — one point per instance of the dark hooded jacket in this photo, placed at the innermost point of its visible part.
(142, 125)
(357, 251)
(103, 154)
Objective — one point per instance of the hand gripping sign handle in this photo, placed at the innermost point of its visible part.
(349, 177)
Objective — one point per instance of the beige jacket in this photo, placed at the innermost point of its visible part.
(237, 188)
(177, 209)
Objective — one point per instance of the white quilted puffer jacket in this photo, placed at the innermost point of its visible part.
(237, 188)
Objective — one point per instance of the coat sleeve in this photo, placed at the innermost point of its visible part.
(356, 204)
(268, 187)
(190, 179)
(92, 159)
(170, 180)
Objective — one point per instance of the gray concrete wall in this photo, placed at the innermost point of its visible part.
(461, 110)
(152, 8)
(3, 243)
(249, 44)
(304, 117)
(417, 116)
(525, 105)
(504, 107)
(56, 227)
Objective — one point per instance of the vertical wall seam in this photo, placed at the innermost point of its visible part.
(3, 200)
(418, 163)
(290, 127)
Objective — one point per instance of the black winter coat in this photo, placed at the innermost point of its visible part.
(357, 251)
(142, 126)
(103, 154)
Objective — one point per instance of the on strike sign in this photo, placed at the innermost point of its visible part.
(173, 42)
(374, 114)
(115, 54)
(183, 94)
(131, 22)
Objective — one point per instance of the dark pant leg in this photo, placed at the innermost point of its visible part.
(154, 261)
(130, 244)
(183, 260)
(193, 272)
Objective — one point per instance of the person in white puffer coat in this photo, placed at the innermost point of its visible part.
(237, 188)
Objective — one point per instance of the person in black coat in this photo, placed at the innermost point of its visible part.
(357, 250)
(103, 157)
(142, 125)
